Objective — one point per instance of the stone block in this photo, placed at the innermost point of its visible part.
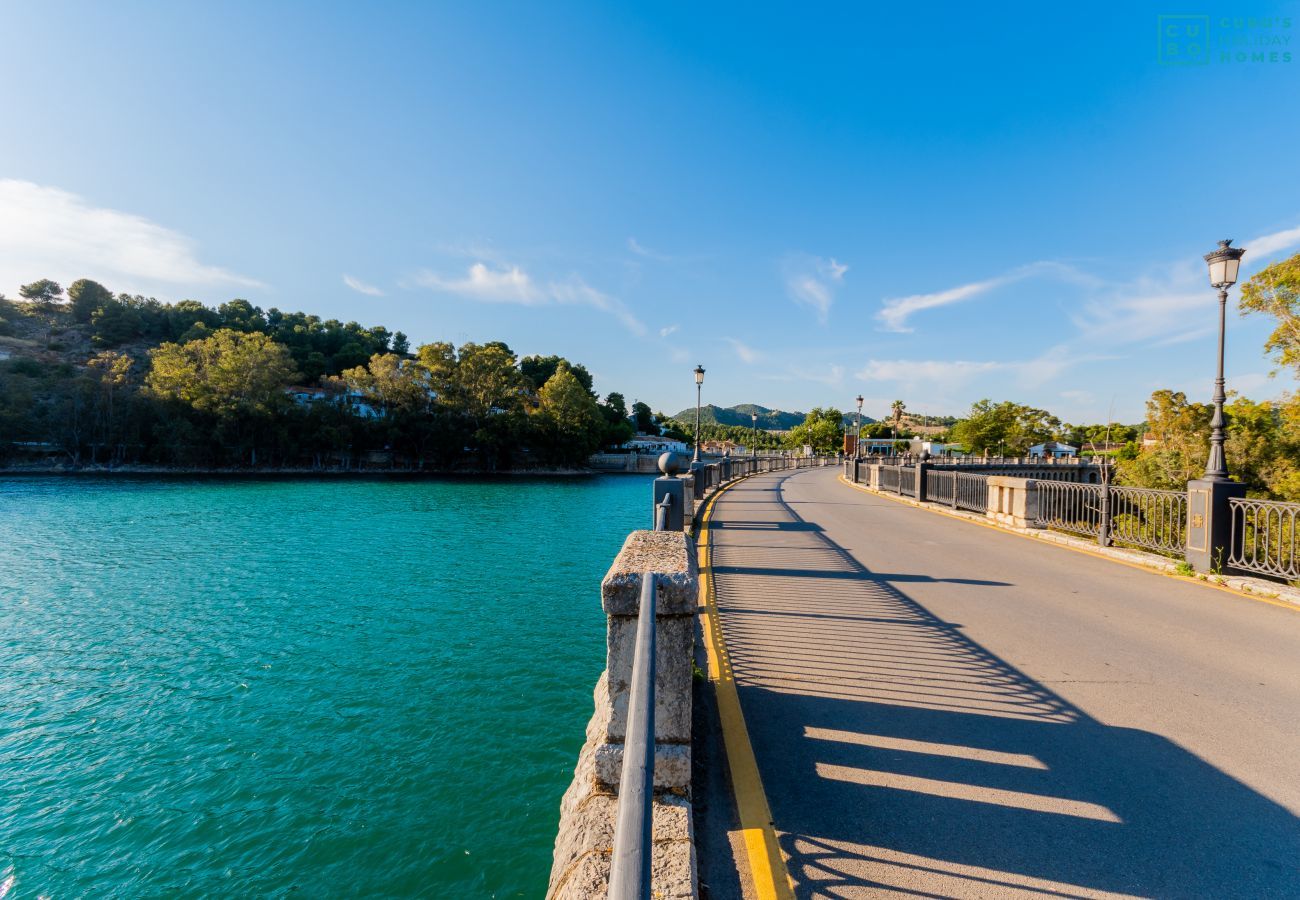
(672, 766)
(674, 656)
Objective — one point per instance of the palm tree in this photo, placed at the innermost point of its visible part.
(897, 406)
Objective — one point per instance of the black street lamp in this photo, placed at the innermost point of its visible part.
(754, 419)
(1224, 264)
(699, 386)
(857, 441)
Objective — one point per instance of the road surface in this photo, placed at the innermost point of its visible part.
(940, 709)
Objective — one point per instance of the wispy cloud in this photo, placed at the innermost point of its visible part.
(643, 251)
(511, 284)
(46, 232)
(746, 353)
(1045, 367)
(667, 330)
(897, 311)
(361, 287)
(813, 281)
(1268, 244)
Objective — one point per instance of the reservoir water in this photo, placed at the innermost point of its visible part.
(296, 688)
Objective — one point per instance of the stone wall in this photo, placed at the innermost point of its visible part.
(588, 810)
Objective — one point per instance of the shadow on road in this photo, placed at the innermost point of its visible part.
(900, 755)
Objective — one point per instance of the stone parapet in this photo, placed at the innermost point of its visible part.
(1013, 501)
(587, 813)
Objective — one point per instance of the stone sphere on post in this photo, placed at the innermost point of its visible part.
(669, 464)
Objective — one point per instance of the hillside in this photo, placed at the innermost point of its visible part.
(768, 419)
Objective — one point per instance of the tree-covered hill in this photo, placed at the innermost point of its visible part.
(97, 378)
(768, 419)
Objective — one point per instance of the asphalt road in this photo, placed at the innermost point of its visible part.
(940, 709)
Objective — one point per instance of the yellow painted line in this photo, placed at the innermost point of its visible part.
(766, 864)
(1236, 592)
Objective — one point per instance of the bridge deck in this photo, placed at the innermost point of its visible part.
(944, 710)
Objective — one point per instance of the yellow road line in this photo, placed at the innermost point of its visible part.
(766, 865)
(1236, 592)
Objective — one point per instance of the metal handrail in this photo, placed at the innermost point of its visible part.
(629, 874)
(661, 512)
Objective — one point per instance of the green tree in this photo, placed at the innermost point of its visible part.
(227, 374)
(115, 323)
(645, 420)
(539, 369)
(821, 429)
(42, 294)
(1182, 433)
(401, 344)
(1275, 291)
(569, 417)
(1006, 427)
(489, 380)
(86, 297)
(240, 315)
(391, 384)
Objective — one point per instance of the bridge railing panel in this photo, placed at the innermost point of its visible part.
(940, 487)
(972, 491)
(1070, 506)
(1142, 517)
(1264, 537)
(907, 481)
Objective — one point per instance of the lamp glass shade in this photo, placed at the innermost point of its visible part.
(1224, 264)
(699, 374)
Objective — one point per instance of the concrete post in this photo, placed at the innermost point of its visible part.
(1209, 523)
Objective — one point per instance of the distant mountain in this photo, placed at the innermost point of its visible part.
(768, 419)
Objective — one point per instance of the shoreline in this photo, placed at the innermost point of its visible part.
(282, 472)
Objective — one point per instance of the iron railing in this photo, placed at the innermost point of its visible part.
(1142, 517)
(1264, 537)
(629, 873)
(972, 491)
(907, 481)
(889, 478)
(1068, 506)
(941, 487)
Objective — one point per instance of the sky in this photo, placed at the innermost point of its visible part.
(936, 204)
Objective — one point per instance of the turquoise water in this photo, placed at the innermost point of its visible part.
(272, 688)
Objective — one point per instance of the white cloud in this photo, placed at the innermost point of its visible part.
(46, 232)
(506, 285)
(361, 287)
(924, 369)
(831, 376)
(898, 310)
(1268, 244)
(511, 284)
(1045, 367)
(666, 331)
(636, 247)
(813, 281)
(744, 351)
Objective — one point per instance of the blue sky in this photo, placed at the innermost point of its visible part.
(935, 203)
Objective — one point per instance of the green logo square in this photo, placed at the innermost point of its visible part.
(1183, 40)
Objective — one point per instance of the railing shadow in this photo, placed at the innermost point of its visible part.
(899, 755)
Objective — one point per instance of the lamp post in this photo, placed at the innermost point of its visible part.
(1224, 263)
(857, 441)
(699, 386)
(754, 420)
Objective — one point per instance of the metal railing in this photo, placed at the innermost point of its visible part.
(889, 478)
(941, 487)
(661, 513)
(629, 873)
(972, 491)
(1143, 517)
(1264, 537)
(1068, 506)
(907, 481)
